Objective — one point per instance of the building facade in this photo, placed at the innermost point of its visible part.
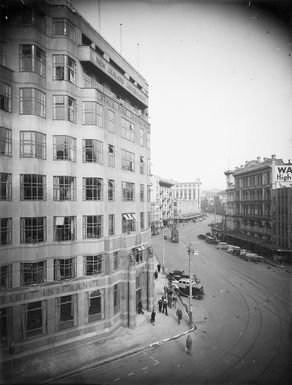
(75, 250)
(259, 206)
(162, 203)
(187, 199)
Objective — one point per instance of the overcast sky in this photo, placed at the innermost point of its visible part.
(219, 75)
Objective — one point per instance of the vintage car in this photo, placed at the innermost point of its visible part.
(211, 240)
(183, 288)
(253, 257)
(201, 236)
(233, 250)
(223, 246)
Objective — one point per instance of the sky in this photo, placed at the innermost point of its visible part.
(219, 75)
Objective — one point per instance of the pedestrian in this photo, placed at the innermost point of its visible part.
(164, 306)
(156, 274)
(189, 343)
(174, 300)
(140, 308)
(165, 290)
(152, 319)
(179, 315)
(158, 267)
(169, 299)
(159, 305)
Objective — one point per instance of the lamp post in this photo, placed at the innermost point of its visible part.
(194, 252)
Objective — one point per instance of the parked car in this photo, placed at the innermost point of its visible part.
(253, 257)
(211, 240)
(243, 252)
(201, 236)
(222, 245)
(183, 288)
(175, 275)
(232, 249)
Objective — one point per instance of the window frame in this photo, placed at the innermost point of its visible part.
(61, 232)
(128, 161)
(68, 30)
(92, 226)
(68, 148)
(37, 228)
(64, 108)
(33, 103)
(38, 190)
(94, 148)
(5, 97)
(5, 186)
(37, 144)
(5, 231)
(92, 113)
(93, 264)
(64, 69)
(64, 188)
(33, 273)
(5, 141)
(35, 61)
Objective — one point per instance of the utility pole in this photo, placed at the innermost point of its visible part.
(193, 252)
(190, 287)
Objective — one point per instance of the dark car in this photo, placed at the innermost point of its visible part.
(176, 274)
(201, 236)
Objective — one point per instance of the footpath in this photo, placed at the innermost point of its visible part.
(51, 366)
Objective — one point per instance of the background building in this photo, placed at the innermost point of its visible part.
(187, 199)
(161, 203)
(75, 179)
(259, 206)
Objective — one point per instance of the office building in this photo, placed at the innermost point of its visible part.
(75, 250)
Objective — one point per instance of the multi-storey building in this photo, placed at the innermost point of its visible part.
(75, 252)
(187, 199)
(259, 206)
(161, 203)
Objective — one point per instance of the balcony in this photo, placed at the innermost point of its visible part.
(88, 54)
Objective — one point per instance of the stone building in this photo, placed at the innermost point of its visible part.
(75, 247)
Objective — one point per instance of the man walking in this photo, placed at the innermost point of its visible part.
(152, 319)
(179, 315)
(164, 306)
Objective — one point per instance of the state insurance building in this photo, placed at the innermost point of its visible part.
(75, 253)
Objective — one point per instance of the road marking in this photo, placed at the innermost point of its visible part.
(146, 368)
(116, 379)
(130, 374)
(155, 361)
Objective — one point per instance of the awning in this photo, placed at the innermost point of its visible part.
(127, 217)
(133, 216)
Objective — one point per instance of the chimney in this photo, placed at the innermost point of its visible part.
(273, 157)
(259, 159)
(264, 159)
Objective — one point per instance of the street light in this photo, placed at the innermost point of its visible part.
(194, 252)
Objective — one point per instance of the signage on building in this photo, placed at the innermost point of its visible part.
(283, 175)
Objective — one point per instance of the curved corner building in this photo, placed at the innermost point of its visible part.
(75, 247)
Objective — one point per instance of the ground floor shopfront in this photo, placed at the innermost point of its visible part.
(54, 313)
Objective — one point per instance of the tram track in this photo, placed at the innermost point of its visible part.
(246, 290)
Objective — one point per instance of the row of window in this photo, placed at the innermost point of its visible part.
(34, 315)
(33, 102)
(33, 144)
(33, 187)
(34, 229)
(64, 268)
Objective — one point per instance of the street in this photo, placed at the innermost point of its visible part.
(244, 337)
